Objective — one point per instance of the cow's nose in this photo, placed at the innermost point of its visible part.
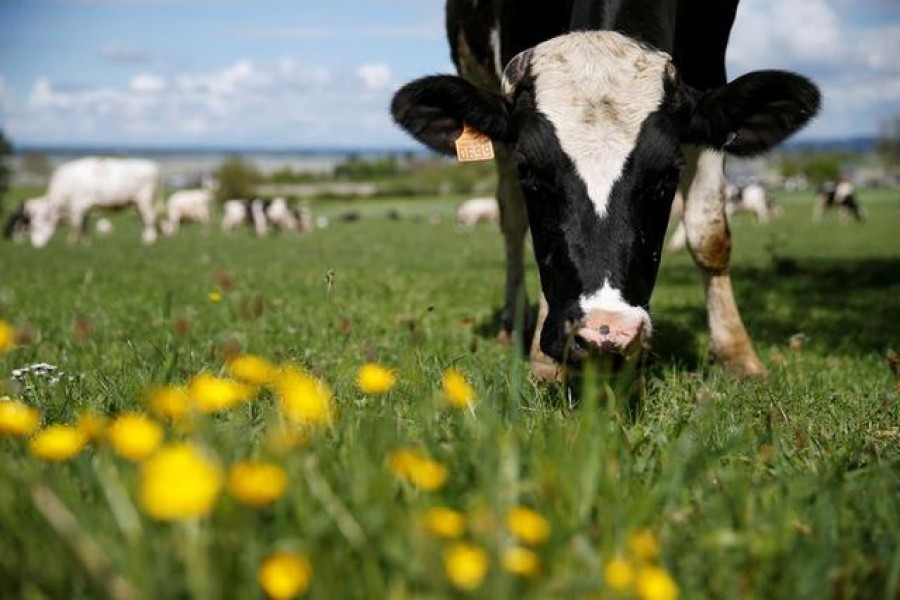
(610, 333)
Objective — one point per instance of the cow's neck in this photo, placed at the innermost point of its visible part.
(651, 21)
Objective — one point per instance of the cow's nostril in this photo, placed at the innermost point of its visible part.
(604, 329)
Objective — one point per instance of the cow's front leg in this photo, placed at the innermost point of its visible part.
(709, 240)
(542, 367)
(514, 225)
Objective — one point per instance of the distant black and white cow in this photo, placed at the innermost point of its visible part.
(840, 195)
(81, 186)
(599, 110)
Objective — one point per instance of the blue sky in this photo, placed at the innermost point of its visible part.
(320, 73)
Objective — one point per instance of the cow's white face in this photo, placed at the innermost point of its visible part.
(598, 184)
(42, 219)
(596, 122)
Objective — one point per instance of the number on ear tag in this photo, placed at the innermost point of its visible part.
(472, 145)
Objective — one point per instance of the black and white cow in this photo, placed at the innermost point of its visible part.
(599, 110)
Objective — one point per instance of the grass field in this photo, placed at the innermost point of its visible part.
(783, 488)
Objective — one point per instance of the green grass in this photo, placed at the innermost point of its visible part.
(782, 488)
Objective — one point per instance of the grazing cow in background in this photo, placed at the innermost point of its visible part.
(261, 213)
(478, 210)
(81, 186)
(750, 198)
(187, 205)
(841, 195)
(598, 111)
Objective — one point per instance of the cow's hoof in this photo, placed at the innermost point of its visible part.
(545, 372)
(743, 366)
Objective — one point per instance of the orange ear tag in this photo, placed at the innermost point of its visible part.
(472, 145)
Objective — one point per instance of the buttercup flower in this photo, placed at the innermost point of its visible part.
(134, 436)
(654, 583)
(179, 482)
(7, 336)
(210, 393)
(252, 369)
(466, 565)
(618, 574)
(304, 399)
(374, 379)
(214, 297)
(17, 418)
(92, 425)
(169, 402)
(417, 468)
(522, 562)
(445, 522)
(527, 525)
(643, 545)
(456, 389)
(256, 483)
(285, 575)
(57, 443)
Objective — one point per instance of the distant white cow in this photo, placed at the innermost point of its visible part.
(187, 205)
(78, 187)
(477, 210)
(750, 198)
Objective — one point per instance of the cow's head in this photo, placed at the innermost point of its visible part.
(43, 216)
(597, 121)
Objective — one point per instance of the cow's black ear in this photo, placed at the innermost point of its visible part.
(433, 110)
(753, 113)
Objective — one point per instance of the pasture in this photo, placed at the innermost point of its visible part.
(787, 487)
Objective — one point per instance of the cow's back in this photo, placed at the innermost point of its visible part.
(100, 181)
(485, 35)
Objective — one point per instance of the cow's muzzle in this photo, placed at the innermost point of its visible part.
(608, 334)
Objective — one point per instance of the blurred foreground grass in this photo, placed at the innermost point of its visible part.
(783, 488)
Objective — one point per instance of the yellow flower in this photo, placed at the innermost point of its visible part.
(618, 574)
(179, 482)
(456, 389)
(445, 522)
(214, 297)
(7, 336)
(654, 583)
(210, 393)
(375, 379)
(522, 562)
(169, 402)
(304, 399)
(466, 565)
(285, 575)
(252, 369)
(256, 483)
(421, 470)
(57, 443)
(134, 436)
(643, 545)
(527, 525)
(17, 418)
(92, 425)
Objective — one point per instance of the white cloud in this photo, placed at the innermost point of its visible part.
(375, 76)
(145, 83)
(854, 64)
(282, 102)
